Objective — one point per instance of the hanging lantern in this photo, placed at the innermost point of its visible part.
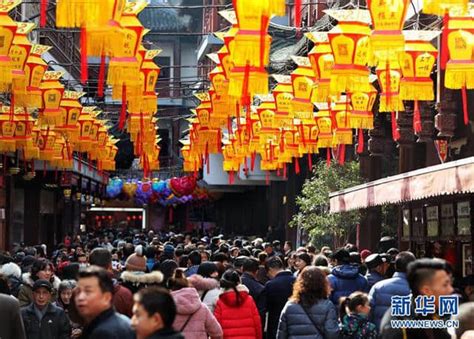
(86, 121)
(322, 62)
(8, 29)
(350, 45)
(389, 75)
(74, 14)
(51, 92)
(361, 116)
(341, 111)
(460, 67)
(23, 134)
(302, 81)
(325, 126)
(388, 18)
(266, 115)
(283, 97)
(19, 52)
(417, 63)
(35, 69)
(7, 130)
(45, 140)
(440, 7)
(70, 112)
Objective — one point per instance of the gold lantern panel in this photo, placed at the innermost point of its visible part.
(361, 116)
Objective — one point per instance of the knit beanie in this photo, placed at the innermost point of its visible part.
(136, 261)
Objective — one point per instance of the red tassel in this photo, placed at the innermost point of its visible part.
(84, 70)
(342, 154)
(252, 161)
(360, 143)
(444, 41)
(12, 106)
(416, 118)
(43, 9)
(100, 86)
(278, 172)
(245, 89)
(297, 166)
(284, 171)
(267, 178)
(229, 125)
(263, 35)
(395, 132)
(297, 13)
(246, 165)
(464, 105)
(123, 111)
(208, 166)
(328, 157)
(310, 162)
(388, 89)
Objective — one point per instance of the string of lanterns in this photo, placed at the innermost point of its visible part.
(332, 91)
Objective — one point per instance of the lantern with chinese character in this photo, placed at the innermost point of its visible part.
(35, 69)
(45, 140)
(350, 45)
(325, 126)
(86, 122)
(51, 91)
(283, 96)
(8, 29)
(302, 81)
(389, 75)
(7, 130)
(388, 17)
(322, 62)
(23, 134)
(460, 67)
(361, 116)
(70, 112)
(19, 52)
(341, 111)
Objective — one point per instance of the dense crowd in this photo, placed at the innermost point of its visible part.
(136, 285)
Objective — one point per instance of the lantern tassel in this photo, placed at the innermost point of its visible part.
(328, 157)
(444, 41)
(84, 70)
(263, 31)
(416, 118)
(395, 132)
(297, 13)
(342, 154)
(464, 105)
(360, 143)
(100, 88)
(123, 111)
(310, 162)
(208, 167)
(284, 171)
(252, 161)
(12, 106)
(43, 9)
(297, 166)
(387, 84)
(267, 178)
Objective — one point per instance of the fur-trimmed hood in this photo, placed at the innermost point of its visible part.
(203, 284)
(27, 280)
(137, 278)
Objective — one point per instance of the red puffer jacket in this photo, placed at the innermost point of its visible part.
(238, 320)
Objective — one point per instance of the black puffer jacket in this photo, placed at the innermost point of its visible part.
(54, 325)
(109, 325)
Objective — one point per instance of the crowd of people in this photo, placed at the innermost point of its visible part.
(137, 285)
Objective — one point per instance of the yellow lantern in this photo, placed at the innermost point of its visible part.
(342, 132)
(460, 67)
(440, 7)
(325, 126)
(86, 122)
(23, 133)
(8, 29)
(389, 79)
(350, 45)
(45, 140)
(35, 69)
(283, 97)
(70, 112)
(322, 62)
(361, 116)
(302, 81)
(388, 17)
(19, 52)
(51, 91)
(7, 130)
(73, 13)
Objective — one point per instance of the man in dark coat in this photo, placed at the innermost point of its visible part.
(376, 265)
(276, 293)
(249, 279)
(42, 319)
(12, 324)
(94, 304)
(154, 312)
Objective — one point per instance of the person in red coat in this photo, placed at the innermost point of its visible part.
(236, 311)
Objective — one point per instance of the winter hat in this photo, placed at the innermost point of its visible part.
(168, 249)
(364, 254)
(136, 261)
(11, 270)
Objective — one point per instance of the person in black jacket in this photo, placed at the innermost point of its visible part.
(276, 293)
(154, 312)
(42, 319)
(94, 304)
(12, 324)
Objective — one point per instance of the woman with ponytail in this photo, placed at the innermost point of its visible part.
(235, 310)
(193, 318)
(354, 312)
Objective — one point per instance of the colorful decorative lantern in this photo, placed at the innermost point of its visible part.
(283, 97)
(70, 112)
(19, 52)
(440, 7)
(389, 75)
(51, 91)
(8, 29)
(7, 130)
(350, 45)
(322, 62)
(35, 69)
(361, 116)
(302, 81)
